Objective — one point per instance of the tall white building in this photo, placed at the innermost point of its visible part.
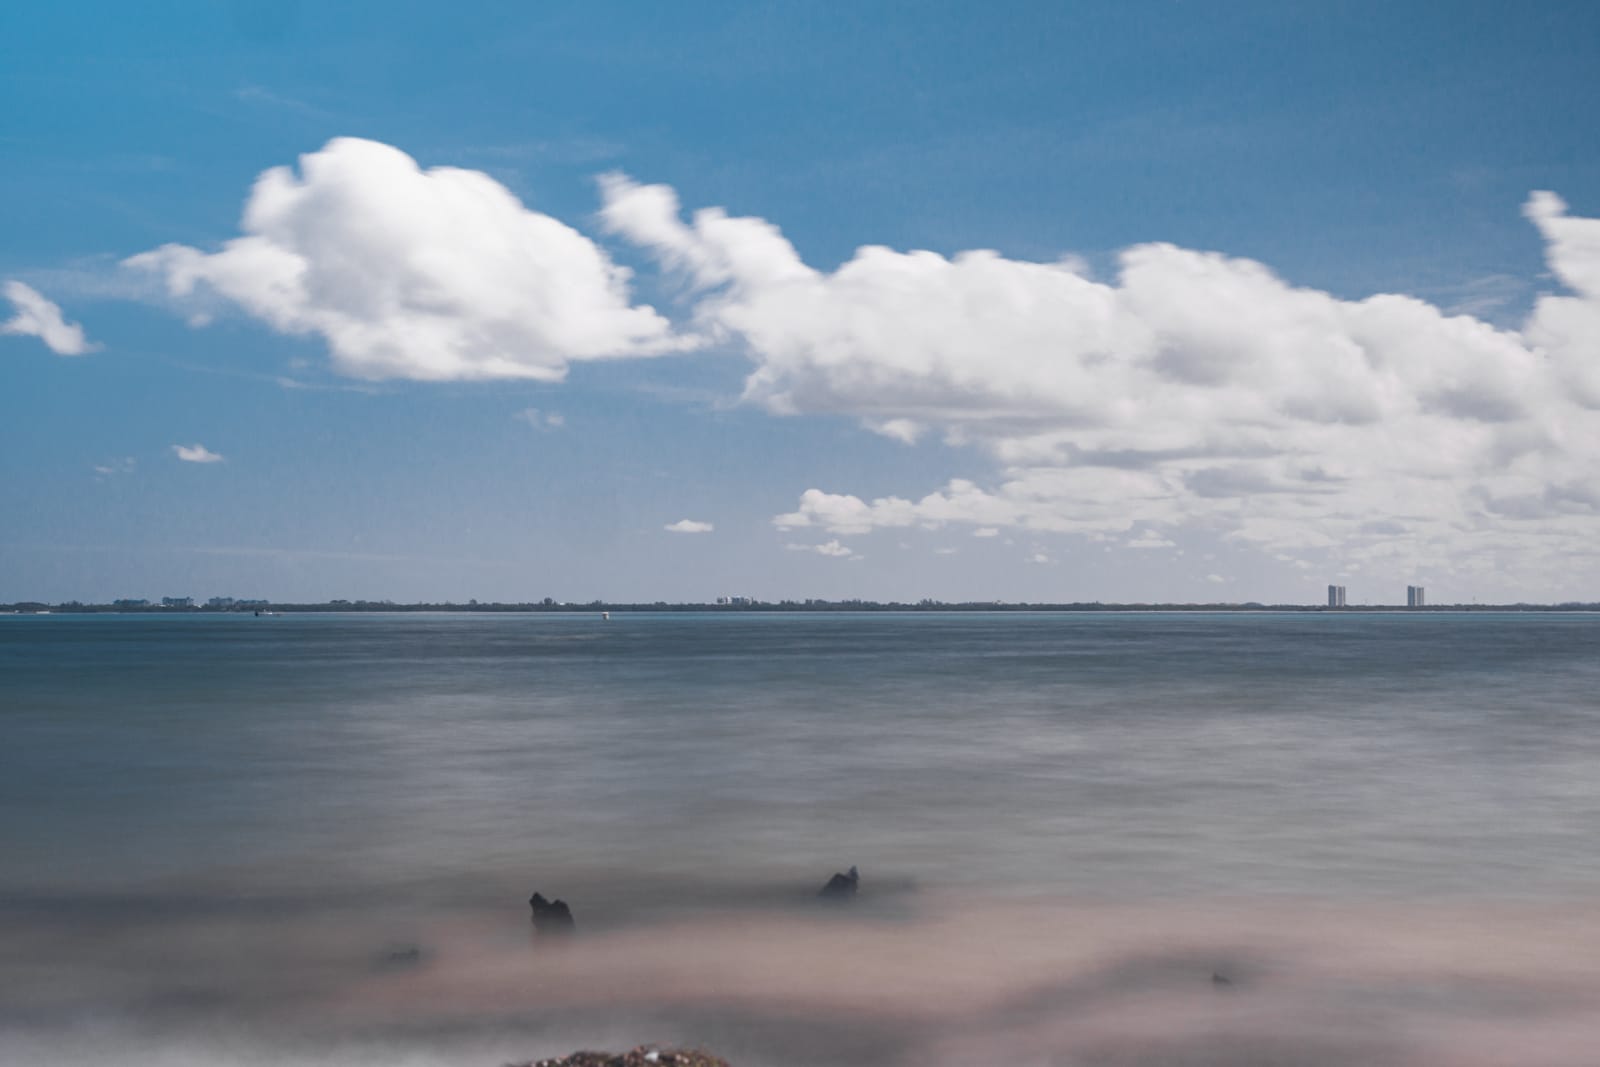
(1414, 596)
(1335, 596)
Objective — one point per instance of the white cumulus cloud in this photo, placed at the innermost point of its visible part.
(1568, 327)
(1192, 390)
(435, 275)
(38, 316)
(196, 453)
(689, 526)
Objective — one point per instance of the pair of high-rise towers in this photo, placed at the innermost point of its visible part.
(1415, 596)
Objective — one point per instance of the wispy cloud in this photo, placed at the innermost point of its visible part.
(269, 552)
(579, 150)
(283, 381)
(259, 552)
(261, 95)
(832, 549)
(266, 552)
(689, 526)
(40, 317)
(1150, 539)
(541, 420)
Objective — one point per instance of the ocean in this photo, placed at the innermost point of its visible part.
(1097, 839)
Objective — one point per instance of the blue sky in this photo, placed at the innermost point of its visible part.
(1103, 409)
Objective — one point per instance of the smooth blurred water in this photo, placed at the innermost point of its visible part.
(1119, 753)
(240, 787)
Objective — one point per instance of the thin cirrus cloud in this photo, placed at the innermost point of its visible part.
(834, 549)
(433, 275)
(1194, 389)
(38, 316)
(541, 420)
(689, 526)
(196, 453)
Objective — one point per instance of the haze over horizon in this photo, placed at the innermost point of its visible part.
(1144, 303)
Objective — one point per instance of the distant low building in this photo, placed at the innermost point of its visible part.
(177, 601)
(220, 602)
(130, 603)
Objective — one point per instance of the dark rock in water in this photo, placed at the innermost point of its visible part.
(551, 916)
(643, 1056)
(396, 956)
(841, 886)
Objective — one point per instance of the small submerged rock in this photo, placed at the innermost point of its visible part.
(841, 886)
(551, 916)
(643, 1056)
(399, 956)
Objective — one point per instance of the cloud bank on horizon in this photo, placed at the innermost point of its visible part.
(1194, 390)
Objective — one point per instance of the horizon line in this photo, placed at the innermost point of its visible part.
(227, 605)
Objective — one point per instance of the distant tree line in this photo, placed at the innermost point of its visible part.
(744, 606)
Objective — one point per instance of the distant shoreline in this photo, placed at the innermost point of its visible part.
(761, 607)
